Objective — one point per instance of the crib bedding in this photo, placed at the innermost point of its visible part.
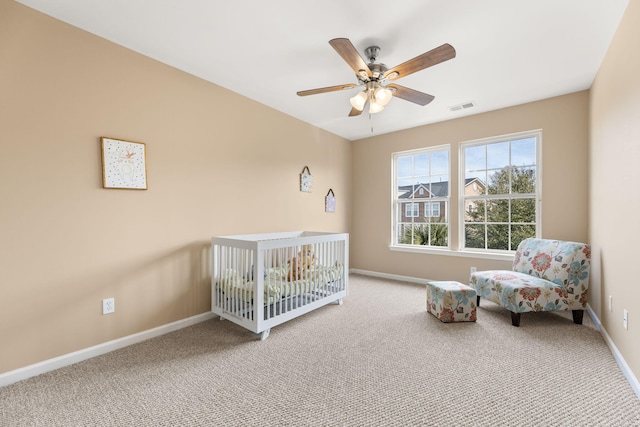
(240, 285)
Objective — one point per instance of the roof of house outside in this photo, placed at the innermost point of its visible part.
(436, 189)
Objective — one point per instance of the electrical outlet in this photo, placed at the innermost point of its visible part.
(474, 269)
(108, 305)
(625, 319)
(610, 303)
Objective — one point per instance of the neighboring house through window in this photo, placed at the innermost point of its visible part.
(419, 175)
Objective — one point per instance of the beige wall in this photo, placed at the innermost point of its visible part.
(221, 164)
(218, 163)
(563, 121)
(615, 201)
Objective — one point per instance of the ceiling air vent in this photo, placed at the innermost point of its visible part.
(463, 106)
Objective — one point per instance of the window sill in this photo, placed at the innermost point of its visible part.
(506, 256)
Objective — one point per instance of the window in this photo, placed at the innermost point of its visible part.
(419, 175)
(432, 209)
(504, 208)
(411, 210)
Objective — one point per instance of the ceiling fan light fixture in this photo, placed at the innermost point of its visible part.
(382, 95)
(359, 100)
(375, 107)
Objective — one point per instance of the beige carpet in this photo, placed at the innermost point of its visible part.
(379, 359)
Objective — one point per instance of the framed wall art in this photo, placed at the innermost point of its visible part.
(306, 180)
(330, 202)
(124, 164)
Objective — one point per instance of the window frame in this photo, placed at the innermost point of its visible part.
(462, 199)
(395, 201)
(429, 207)
(414, 207)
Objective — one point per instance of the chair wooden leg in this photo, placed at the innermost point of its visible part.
(515, 319)
(478, 301)
(577, 316)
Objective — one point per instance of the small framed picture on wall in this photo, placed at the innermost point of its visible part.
(306, 180)
(330, 202)
(124, 164)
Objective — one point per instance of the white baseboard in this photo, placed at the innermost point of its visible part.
(390, 276)
(626, 371)
(87, 353)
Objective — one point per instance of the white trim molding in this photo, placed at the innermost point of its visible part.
(626, 370)
(97, 350)
(390, 276)
(506, 256)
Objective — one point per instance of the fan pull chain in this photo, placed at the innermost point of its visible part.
(371, 120)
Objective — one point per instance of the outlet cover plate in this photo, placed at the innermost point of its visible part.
(108, 305)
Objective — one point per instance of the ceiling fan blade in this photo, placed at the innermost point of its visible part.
(350, 54)
(355, 112)
(411, 95)
(420, 62)
(325, 89)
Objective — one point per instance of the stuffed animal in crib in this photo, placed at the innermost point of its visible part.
(299, 264)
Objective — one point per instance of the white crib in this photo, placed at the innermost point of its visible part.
(262, 280)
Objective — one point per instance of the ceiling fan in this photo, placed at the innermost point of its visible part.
(371, 76)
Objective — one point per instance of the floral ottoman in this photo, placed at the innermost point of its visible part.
(451, 301)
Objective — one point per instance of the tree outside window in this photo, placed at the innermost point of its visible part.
(506, 211)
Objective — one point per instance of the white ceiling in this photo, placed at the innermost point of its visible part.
(509, 52)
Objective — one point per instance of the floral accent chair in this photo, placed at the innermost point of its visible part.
(547, 275)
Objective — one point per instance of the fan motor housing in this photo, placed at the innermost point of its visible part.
(377, 69)
(372, 53)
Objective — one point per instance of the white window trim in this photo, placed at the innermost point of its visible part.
(409, 210)
(394, 204)
(432, 250)
(428, 206)
(461, 179)
(499, 255)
